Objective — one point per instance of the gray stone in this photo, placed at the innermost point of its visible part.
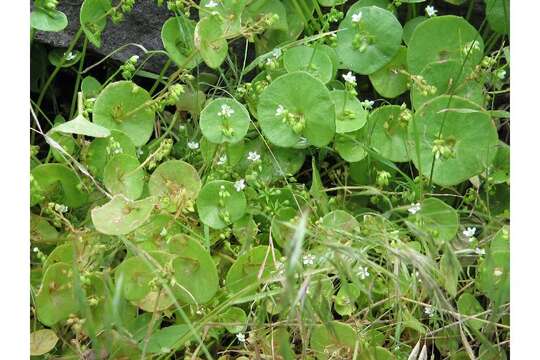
(142, 26)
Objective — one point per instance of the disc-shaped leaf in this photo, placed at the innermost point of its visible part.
(93, 18)
(365, 46)
(48, 20)
(437, 219)
(389, 81)
(42, 341)
(210, 40)
(386, 132)
(350, 146)
(230, 11)
(350, 113)
(61, 254)
(246, 269)
(79, 125)
(345, 300)
(136, 273)
(90, 86)
(334, 337)
(61, 58)
(194, 270)
(443, 38)
(59, 184)
(258, 9)
(304, 97)
(224, 120)
(123, 175)
(125, 106)
(276, 162)
(177, 37)
(55, 299)
(466, 145)
(219, 204)
(498, 15)
(410, 26)
(309, 59)
(468, 305)
(283, 225)
(500, 171)
(167, 338)
(101, 150)
(155, 301)
(234, 315)
(41, 231)
(448, 77)
(175, 179)
(121, 216)
(493, 277)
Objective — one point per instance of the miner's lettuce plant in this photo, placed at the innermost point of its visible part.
(337, 189)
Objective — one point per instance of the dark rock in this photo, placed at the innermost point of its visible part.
(142, 26)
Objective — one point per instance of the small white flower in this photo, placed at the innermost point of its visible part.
(61, 208)
(417, 275)
(253, 156)
(363, 272)
(469, 232)
(414, 208)
(222, 160)
(350, 78)
(280, 110)
(241, 337)
(193, 145)
(226, 111)
(200, 310)
(357, 17)
(501, 74)
(70, 56)
(140, 152)
(431, 11)
(480, 252)
(240, 185)
(368, 104)
(497, 272)
(276, 53)
(181, 127)
(429, 311)
(35, 249)
(163, 232)
(308, 259)
(211, 4)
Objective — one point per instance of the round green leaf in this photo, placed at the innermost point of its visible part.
(125, 106)
(388, 81)
(121, 216)
(102, 150)
(167, 338)
(55, 299)
(48, 20)
(448, 77)
(135, 274)
(308, 100)
(387, 132)
(90, 87)
(234, 315)
(498, 15)
(410, 26)
(333, 338)
(350, 146)
(224, 120)
(246, 269)
(177, 180)
(230, 11)
(443, 38)
(468, 305)
(369, 44)
(210, 40)
(258, 9)
(329, 3)
(437, 219)
(219, 204)
(61, 58)
(283, 226)
(177, 37)
(469, 139)
(493, 276)
(122, 175)
(345, 301)
(42, 341)
(194, 270)
(350, 113)
(59, 184)
(93, 18)
(309, 59)
(276, 162)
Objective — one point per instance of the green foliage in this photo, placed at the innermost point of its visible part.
(319, 179)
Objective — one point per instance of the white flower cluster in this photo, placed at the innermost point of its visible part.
(431, 11)
(226, 111)
(350, 78)
(253, 156)
(414, 208)
(193, 145)
(240, 185)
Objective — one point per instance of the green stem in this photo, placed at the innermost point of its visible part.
(78, 80)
